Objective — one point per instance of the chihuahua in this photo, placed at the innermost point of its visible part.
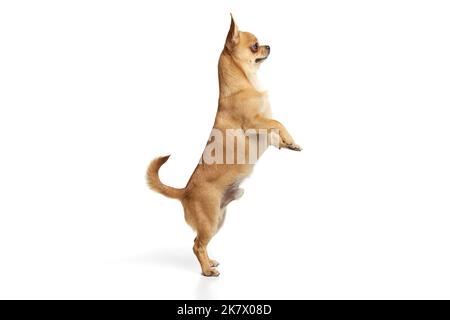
(244, 115)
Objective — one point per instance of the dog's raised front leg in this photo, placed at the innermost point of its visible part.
(285, 139)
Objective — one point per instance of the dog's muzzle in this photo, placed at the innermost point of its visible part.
(262, 59)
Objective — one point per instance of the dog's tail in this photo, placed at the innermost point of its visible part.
(155, 183)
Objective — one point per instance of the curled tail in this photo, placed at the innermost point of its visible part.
(155, 184)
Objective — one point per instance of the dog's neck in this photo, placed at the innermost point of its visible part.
(254, 80)
(233, 78)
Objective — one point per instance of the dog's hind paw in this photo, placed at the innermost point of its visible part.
(213, 263)
(213, 272)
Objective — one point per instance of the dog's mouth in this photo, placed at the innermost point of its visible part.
(261, 59)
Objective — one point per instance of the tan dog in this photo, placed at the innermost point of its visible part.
(242, 106)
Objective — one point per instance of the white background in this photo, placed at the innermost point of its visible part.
(91, 91)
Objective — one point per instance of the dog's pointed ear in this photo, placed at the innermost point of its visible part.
(233, 35)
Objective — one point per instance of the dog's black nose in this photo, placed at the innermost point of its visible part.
(268, 48)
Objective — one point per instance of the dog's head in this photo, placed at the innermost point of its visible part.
(245, 48)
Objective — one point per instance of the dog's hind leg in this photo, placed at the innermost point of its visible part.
(207, 215)
(223, 212)
(200, 250)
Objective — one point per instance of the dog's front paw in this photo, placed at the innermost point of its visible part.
(291, 146)
(294, 147)
(212, 272)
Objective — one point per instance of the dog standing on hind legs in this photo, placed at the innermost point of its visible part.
(243, 108)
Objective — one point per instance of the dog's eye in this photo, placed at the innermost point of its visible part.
(254, 47)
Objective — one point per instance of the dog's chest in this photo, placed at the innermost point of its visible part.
(264, 105)
(264, 109)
